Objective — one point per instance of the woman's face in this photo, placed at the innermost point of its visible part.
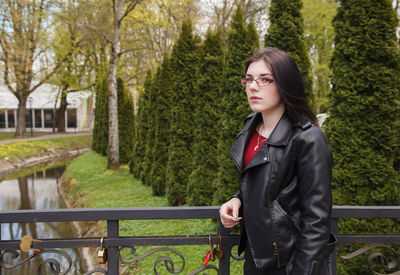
(263, 99)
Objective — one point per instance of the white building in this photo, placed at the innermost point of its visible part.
(40, 108)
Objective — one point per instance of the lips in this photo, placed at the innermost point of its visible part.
(255, 98)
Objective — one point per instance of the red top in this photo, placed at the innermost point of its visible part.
(252, 148)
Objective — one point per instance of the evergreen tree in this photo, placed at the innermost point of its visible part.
(148, 157)
(162, 122)
(125, 119)
(126, 124)
(364, 111)
(234, 104)
(183, 64)
(143, 113)
(252, 37)
(286, 32)
(201, 185)
(100, 130)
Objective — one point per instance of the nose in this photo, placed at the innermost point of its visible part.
(254, 86)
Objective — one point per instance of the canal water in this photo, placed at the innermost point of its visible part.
(36, 190)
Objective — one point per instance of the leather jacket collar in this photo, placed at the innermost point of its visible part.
(279, 137)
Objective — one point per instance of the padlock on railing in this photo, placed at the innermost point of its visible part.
(210, 254)
(26, 244)
(102, 256)
(218, 252)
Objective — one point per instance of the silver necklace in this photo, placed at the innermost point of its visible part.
(258, 139)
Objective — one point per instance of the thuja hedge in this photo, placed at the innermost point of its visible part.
(201, 186)
(125, 121)
(141, 123)
(100, 130)
(184, 61)
(362, 128)
(162, 124)
(241, 44)
(286, 32)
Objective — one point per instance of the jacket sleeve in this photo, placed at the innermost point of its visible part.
(314, 174)
(237, 195)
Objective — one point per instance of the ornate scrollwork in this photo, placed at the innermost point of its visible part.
(169, 263)
(55, 266)
(237, 258)
(203, 268)
(383, 260)
(97, 270)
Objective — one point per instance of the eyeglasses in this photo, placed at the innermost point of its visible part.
(261, 82)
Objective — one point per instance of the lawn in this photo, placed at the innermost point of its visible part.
(93, 186)
(11, 135)
(7, 135)
(24, 149)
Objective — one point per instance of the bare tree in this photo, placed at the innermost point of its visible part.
(69, 46)
(23, 48)
(220, 13)
(121, 8)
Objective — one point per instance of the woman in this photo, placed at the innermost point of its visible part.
(284, 165)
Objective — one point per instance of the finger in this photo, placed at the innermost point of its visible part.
(225, 215)
(229, 225)
(229, 220)
(235, 212)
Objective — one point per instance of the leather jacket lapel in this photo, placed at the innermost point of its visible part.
(279, 137)
(282, 132)
(238, 148)
(262, 156)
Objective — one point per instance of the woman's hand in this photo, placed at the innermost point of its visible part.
(229, 212)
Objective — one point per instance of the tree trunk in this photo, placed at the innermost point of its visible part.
(113, 141)
(21, 128)
(24, 193)
(60, 116)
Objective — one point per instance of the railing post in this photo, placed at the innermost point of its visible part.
(334, 230)
(224, 263)
(113, 260)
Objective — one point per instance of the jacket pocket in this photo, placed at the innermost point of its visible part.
(285, 230)
(323, 266)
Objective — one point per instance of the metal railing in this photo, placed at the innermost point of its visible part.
(115, 243)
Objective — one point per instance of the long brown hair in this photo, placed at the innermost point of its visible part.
(289, 82)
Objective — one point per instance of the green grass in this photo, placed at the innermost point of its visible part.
(93, 186)
(7, 135)
(11, 135)
(29, 171)
(25, 149)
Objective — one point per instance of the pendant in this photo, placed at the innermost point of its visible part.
(256, 147)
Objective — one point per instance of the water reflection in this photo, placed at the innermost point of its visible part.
(36, 191)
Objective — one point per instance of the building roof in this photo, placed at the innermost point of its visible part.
(43, 97)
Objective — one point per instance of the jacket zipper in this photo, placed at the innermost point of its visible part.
(276, 253)
(294, 221)
(274, 244)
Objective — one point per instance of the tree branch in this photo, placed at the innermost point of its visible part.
(87, 26)
(82, 88)
(4, 46)
(6, 80)
(130, 8)
(130, 50)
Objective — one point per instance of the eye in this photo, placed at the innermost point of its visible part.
(267, 80)
(249, 79)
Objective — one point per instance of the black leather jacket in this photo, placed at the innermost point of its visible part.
(285, 192)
